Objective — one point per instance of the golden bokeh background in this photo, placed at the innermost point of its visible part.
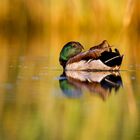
(32, 34)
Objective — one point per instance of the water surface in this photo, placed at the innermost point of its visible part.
(39, 101)
(36, 105)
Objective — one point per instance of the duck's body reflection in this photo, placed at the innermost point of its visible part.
(72, 83)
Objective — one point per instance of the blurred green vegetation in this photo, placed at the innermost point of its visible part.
(32, 34)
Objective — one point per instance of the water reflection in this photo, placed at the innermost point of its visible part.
(72, 83)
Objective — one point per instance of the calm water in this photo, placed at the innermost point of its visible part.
(39, 101)
(48, 104)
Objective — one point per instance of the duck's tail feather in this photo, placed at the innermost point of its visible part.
(111, 58)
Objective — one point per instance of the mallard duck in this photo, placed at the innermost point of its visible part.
(72, 83)
(100, 57)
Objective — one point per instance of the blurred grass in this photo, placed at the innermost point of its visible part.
(59, 21)
(71, 17)
(32, 34)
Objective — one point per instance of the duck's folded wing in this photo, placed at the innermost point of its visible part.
(87, 55)
(104, 46)
(93, 53)
(95, 60)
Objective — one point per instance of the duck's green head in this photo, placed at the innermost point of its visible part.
(68, 51)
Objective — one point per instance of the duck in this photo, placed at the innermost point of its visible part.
(100, 57)
(74, 83)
